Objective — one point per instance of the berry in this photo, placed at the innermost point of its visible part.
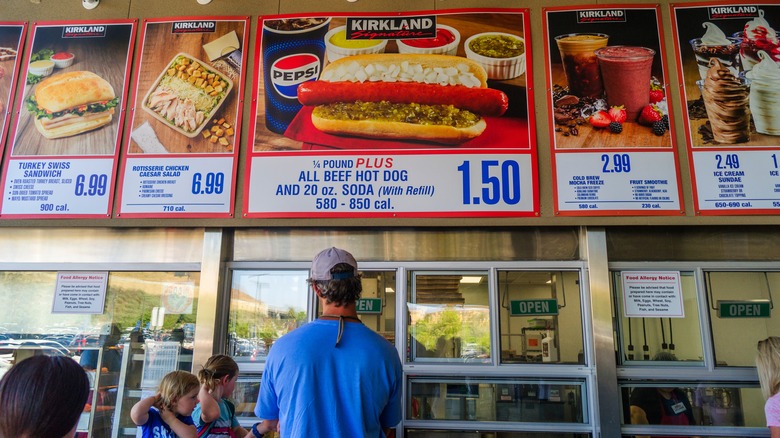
(649, 115)
(659, 128)
(656, 91)
(600, 119)
(665, 119)
(616, 127)
(617, 114)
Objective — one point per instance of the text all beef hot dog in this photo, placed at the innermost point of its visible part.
(435, 98)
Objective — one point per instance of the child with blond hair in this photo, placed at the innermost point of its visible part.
(768, 366)
(169, 412)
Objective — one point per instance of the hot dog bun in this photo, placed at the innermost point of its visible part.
(436, 98)
(67, 90)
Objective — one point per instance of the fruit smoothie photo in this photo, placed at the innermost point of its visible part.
(625, 71)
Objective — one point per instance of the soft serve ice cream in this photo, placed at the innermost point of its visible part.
(715, 44)
(726, 100)
(758, 35)
(765, 94)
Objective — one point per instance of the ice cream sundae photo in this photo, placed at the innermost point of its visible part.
(726, 100)
(765, 94)
(715, 44)
(758, 35)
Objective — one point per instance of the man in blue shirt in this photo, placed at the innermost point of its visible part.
(334, 376)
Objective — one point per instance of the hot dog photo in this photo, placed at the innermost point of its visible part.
(409, 82)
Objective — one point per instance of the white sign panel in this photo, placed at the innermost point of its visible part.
(617, 181)
(652, 294)
(58, 187)
(392, 185)
(80, 292)
(177, 185)
(737, 180)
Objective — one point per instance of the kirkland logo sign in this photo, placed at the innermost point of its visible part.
(601, 16)
(391, 28)
(83, 31)
(726, 12)
(744, 309)
(194, 27)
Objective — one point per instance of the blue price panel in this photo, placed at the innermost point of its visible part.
(420, 184)
(63, 188)
(737, 182)
(191, 186)
(601, 183)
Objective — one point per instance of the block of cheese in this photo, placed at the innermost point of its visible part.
(222, 46)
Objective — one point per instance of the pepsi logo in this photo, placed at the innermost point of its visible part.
(290, 71)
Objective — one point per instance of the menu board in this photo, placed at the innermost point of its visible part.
(11, 38)
(728, 55)
(388, 115)
(610, 123)
(181, 152)
(63, 154)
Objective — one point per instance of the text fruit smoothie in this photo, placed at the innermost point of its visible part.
(625, 71)
(580, 64)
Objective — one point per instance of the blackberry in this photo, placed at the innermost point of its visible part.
(659, 128)
(665, 120)
(616, 127)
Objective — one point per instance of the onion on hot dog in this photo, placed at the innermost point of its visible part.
(435, 98)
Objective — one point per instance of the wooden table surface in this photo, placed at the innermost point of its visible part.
(466, 24)
(160, 48)
(107, 60)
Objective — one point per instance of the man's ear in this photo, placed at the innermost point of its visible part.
(316, 289)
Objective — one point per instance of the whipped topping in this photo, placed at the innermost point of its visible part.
(726, 100)
(713, 36)
(765, 94)
(759, 29)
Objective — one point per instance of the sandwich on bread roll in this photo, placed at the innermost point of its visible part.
(437, 98)
(70, 103)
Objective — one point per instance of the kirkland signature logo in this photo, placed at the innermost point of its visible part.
(726, 12)
(83, 31)
(601, 16)
(194, 26)
(391, 28)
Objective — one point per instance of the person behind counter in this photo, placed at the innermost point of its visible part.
(768, 366)
(42, 396)
(666, 406)
(333, 377)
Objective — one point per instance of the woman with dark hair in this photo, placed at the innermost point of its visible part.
(42, 396)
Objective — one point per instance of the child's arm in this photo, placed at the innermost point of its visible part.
(263, 428)
(209, 407)
(140, 412)
(180, 429)
(241, 432)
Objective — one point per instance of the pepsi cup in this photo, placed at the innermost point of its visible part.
(293, 53)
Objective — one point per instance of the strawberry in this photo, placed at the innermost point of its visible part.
(649, 115)
(656, 93)
(600, 119)
(617, 114)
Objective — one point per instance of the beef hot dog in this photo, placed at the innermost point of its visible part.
(435, 98)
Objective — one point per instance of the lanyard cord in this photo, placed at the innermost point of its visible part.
(341, 324)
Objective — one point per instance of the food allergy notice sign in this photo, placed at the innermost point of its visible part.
(80, 292)
(652, 294)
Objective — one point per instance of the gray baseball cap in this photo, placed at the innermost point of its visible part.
(327, 259)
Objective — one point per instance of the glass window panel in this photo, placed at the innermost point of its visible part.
(735, 339)
(245, 395)
(449, 317)
(510, 400)
(413, 433)
(528, 332)
(264, 305)
(653, 339)
(131, 318)
(712, 404)
(377, 306)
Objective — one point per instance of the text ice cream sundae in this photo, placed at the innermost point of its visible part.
(765, 94)
(726, 101)
(715, 44)
(758, 35)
